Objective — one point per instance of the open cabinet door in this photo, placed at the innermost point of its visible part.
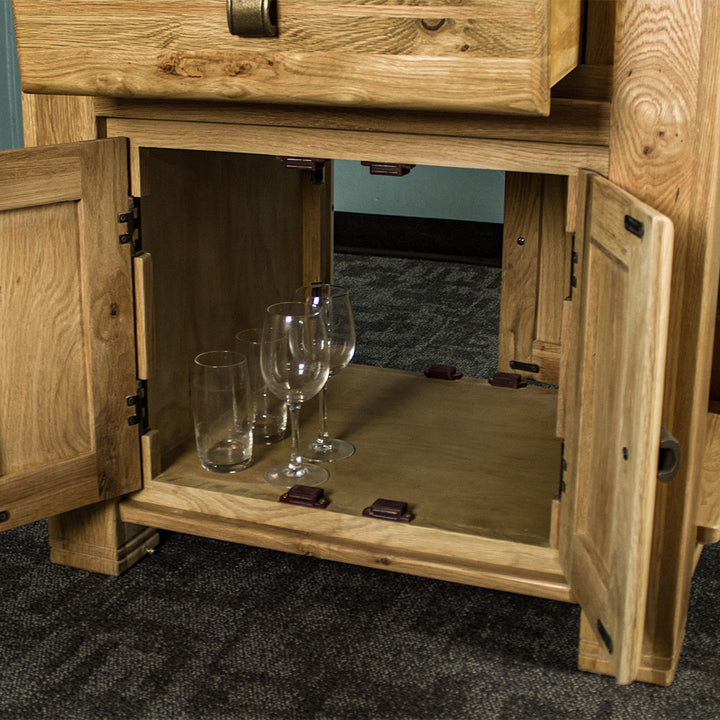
(615, 392)
(67, 348)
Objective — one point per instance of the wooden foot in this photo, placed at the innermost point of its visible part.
(591, 658)
(94, 538)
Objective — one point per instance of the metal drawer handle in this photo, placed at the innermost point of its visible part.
(252, 18)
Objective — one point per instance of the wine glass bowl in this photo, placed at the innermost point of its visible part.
(335, 301)
(294, 361)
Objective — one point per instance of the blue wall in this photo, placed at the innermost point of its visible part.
(10, 113)
(432, 192)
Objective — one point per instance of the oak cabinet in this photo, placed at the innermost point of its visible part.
(552, 492)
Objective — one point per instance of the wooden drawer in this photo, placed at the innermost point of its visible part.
(500, 56)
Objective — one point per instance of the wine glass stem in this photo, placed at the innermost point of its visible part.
(295, 456)
(323, 436)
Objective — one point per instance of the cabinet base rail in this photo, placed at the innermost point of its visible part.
(549, 583)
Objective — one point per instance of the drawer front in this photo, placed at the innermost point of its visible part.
(460, 55)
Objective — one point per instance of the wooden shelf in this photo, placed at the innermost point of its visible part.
(478, 465)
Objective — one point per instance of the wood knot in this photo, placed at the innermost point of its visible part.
(433, 24)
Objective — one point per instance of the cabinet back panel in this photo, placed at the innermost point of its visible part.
(225, 235)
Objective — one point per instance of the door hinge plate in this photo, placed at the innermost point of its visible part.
(563, 469)
(131, 219)
(139, 402)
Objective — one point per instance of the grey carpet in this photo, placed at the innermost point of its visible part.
(434, 312)
(206, 630)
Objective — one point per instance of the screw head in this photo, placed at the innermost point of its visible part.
(521, 240)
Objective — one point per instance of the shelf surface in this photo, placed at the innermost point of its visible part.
(466, 456)
(477, 465)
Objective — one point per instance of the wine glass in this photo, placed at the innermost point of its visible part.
(295, 363)
(341, 335)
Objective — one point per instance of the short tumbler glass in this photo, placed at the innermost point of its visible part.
(271, 418)
(222, 411)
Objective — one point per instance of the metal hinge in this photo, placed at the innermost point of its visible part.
(563, 469)
(316, 166)
(131, 219)
(139, 402)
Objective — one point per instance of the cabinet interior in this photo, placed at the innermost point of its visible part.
(478, 465)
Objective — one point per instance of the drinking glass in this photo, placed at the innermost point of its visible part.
(341, 334)
(222, 411)
(270, 412)
(294, 359)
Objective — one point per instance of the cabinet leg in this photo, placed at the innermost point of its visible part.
(591, 658)
(94, 538)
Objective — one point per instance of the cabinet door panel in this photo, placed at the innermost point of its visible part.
(472, 55)
(614, 413)
(67, 360)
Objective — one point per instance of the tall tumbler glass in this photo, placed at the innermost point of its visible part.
(270, 411)
(222, 411)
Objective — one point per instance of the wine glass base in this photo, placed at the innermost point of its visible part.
(283, 476)
(328, 450)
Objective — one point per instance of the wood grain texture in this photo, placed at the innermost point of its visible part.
(28, 181)
(40, 492)
(708, 517)
(613, 416)
(43, 309)
(68, 359)
(226, 236)
(476, 55)
(536, 273)
(510, 567)
(521, 248)
(144, 318)
(581, 122)
(553, 261)
(317, 232)
(586, 82)
(435, 433)
(665, 147)
(52, 119)
(94, 538)
(592, 658)
(487, 523)
(541, 157)
(600, 36)
(566, 349)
